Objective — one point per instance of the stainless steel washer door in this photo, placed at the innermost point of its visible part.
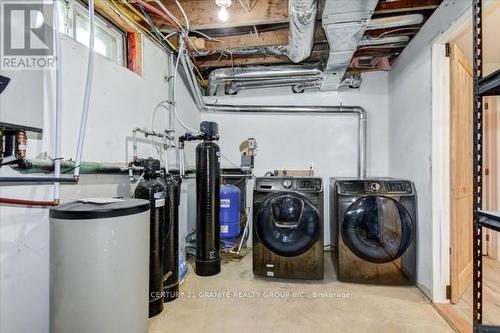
(377, 229)
(288, 224)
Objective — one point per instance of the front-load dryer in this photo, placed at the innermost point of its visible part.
(288, 227)
(373, 230)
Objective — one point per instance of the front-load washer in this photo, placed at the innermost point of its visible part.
(288, 227)
(373, 230)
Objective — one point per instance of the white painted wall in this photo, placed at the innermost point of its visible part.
(121, 100)
(491, 48)
(410, 121)
(329, 142)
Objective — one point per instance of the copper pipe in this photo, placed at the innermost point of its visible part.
(21, 141)
(11, 201)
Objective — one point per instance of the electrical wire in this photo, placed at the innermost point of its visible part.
(206, 36)
(183, 13)
(227, 159)
(169, 13)
(391, 31)
(247, 8)
(157, 107)
(179, 55)
(161, 13)
(183, 32)
(158, 34)
(117, 9)
(134, 187)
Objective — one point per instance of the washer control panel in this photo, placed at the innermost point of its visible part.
(374, 186)
(303, 184)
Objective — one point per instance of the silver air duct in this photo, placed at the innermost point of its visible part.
(302, 16)
(299, 84)
(280, 82)
(344, 22)
(357, 111)
(226, 75)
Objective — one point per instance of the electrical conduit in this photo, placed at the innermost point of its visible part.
(88, 91)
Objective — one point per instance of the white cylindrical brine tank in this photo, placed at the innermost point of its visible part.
(99, 267)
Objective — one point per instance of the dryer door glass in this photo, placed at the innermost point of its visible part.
(288, 224)
(377, 229)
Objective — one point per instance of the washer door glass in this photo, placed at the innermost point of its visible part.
(377, 229)
(288, 224)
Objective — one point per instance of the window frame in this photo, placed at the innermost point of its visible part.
(75, 8)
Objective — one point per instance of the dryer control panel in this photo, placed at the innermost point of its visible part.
(374, 186)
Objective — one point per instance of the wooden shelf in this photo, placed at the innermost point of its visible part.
(490, 85)
(490, 219)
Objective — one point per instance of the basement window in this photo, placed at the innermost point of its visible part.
(109, 40)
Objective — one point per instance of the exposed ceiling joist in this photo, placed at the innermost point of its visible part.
(270, 18)
(388, 7)
(202, 14)
(209, 62)
(279, 37)
(268, 38)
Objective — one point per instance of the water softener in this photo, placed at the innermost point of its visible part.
(207, 199)
(153, 189)
(171, 239)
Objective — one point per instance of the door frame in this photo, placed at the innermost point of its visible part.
(441, 154)
(440, 173)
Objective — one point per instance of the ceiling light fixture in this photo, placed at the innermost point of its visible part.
(223, 13)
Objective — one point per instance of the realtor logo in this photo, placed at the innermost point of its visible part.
(27, 36)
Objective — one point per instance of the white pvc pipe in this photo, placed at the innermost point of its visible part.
(59, 106)
(88, 90)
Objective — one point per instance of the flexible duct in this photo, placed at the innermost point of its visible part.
(357, 111)
(302, 16)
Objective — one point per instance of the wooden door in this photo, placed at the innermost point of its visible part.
(461, 197)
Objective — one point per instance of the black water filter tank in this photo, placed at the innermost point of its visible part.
(207, 208)
(171, 239)
(152, 188)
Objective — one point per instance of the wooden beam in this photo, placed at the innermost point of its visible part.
(241, 61)
(116, 16)
(279, 37)
(203, 14)
(387, 7)
(249, 60)
(268, 38)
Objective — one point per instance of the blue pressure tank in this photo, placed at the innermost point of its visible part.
(229, 211)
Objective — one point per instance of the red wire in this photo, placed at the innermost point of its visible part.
(162, 14)
(27, 202)
(155, 10)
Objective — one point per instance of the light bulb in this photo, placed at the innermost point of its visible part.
(223, 14)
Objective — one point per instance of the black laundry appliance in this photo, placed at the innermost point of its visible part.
(288, 227)
(373, 226)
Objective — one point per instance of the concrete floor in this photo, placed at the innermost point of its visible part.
(236, 301)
